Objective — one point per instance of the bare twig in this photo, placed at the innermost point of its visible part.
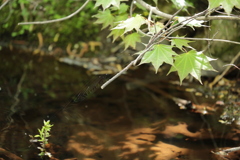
(226, 151)
(232, 65)
(175, 27)
(57, 20)
(169, 21)
(149, 19)
(4, 3)
(117, 75)
(205, 39)
(154, 9)
(231, 149)
(168, 16)
(131, 8)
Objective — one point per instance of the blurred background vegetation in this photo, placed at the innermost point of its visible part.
(81, 27)
(78, 28)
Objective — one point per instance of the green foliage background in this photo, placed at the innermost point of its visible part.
(79, 27)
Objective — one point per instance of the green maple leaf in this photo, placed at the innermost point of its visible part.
(227, 4)
(120, 17)
(105, 18)
(192, 63)
(161, 53)
(131, 23)
(179, 43)
(123, 8)
(131, 40)
(107, 3)
(213, 3)
(116, 33)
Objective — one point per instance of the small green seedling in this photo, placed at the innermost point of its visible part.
(43, 138)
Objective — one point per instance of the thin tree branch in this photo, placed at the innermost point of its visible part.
(205, 39)
(57, 20)
(4, 4)
(169, 21)
(226, 151)
(117, 75)
(168, 16)
(131, 8)
(175, 27)
(154, 9)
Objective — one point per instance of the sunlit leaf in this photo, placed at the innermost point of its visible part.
(131, 23)
(161, 53)
(107, 3)
(191, 23)
(180, 43)
(226, 4)
(179, 3)
(131, 40)
(105, 18)
(229, 4)
(192, 63)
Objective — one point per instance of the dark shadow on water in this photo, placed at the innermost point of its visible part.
(89, 123)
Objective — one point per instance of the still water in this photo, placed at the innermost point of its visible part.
(123, 121)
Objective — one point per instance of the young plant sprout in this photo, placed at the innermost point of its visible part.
(43, 138)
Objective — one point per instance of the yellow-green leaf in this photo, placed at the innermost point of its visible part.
(105, 18)
(123, 8)
(192, 63)
(226, 4)
(107, 3)
(131, 23)
(116, 33)
(180, 43)
(131, 40)
(160, 53)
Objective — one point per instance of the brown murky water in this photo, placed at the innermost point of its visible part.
(124, 121)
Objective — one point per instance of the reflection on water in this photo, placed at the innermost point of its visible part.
(114, 123)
